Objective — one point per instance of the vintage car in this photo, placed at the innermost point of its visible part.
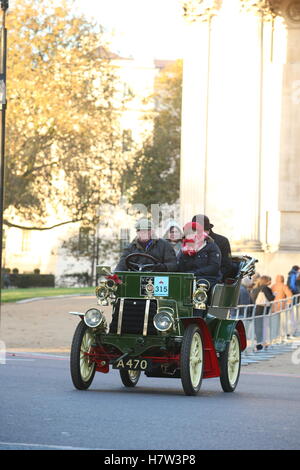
(163, 324)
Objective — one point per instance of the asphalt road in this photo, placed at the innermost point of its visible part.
(40, 409)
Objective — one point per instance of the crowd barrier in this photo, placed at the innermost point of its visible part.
(271, 326)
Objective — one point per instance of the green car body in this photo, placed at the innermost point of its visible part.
(154, 329)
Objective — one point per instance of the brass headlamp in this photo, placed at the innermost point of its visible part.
(200, 294)
(106, 292)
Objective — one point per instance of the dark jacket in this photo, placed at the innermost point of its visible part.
(244, 297)
(205, 264)
(260, 309)
(245, 301)
(265, 289)
(224, 245)
(161, 250)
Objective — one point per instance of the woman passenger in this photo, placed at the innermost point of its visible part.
(200, 254)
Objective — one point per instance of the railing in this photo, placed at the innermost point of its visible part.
(270, 326)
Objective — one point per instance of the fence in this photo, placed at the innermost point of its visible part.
(271, 326)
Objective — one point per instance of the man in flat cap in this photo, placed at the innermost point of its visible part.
(223, 243)
(145, 242)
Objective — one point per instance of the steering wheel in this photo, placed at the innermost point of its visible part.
(132, 266)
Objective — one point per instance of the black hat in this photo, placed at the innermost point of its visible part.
(204, 220)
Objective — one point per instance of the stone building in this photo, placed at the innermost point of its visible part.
(241, 125)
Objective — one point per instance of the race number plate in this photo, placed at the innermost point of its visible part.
(157, 286)
(161, 286)
(132, 363)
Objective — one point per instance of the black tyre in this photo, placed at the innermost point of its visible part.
(130, 377)
(82, 370)
(192, 360)
(230, 364)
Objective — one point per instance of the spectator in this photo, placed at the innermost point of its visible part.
(262, 285)
(298, 282)
(6, 280)
(227, 268)
(281, 291)
(255, 280)
(292, 280)
(261, 296)
(173, 233)
(244, 297)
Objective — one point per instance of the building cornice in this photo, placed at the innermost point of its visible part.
(200, 10)
(203, 10)
(268, 9)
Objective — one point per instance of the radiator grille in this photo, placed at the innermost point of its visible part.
(130, 316)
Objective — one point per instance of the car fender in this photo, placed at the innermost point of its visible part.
(240, 327)
(211, 363)
(224, 331)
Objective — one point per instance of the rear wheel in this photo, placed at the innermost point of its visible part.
(191, 360)
(82, 369)
(130, 377)
(230, 364)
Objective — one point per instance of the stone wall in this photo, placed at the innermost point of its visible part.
(241, 124)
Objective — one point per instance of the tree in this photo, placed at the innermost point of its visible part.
(154, 175)
(64, 146)
(88, 245)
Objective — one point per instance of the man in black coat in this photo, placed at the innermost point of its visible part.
(145, 242)
(227, 268)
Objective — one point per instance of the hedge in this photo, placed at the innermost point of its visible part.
(32, 280)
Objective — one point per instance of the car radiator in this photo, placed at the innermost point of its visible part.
(134, 316)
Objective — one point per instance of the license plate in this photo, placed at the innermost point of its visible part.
(132, 364)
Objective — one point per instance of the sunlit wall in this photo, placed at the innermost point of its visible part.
(240, 123)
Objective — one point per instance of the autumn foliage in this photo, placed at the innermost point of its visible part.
(63, 148)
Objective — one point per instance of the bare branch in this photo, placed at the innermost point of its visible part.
(11, 224)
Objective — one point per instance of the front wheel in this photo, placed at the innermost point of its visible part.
(230, 364)
(130, 377)
(82, 369)
(191, 360)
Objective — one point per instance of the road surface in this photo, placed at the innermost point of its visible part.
(40, 409)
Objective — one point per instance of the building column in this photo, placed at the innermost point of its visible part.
(289, 166)
(195, 105)
(222, 120)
